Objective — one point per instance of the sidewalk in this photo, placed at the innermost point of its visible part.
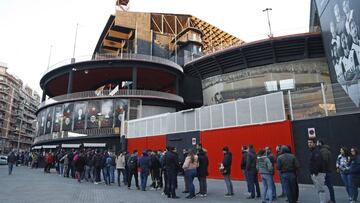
(32, 185)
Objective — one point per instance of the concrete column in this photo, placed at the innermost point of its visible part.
(177, 81)
(43, 98)
(70, 82)
(134, 78)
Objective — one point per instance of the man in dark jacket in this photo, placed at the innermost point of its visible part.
(251, 171)
(326, 155)
(202, 172)
(244, 151)
(97, 160)
(354, 173)
(133, 169)
(172, 167)
(145, 165)
(287, 165)
(225, 168)
(11, 161)
(155, 169)
(317, 171)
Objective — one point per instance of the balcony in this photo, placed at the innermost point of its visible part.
(103, 57)
(150, 94)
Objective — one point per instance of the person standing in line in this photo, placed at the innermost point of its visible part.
(97, 160)
(278, 153)
(190, 166)
(144, 163)
(287, 165)
(61, 162)
(317, 169)
(11, 161)
(326, 155)
(265, 168)
(202, 172)
(133, 169)
(120, 166)
(163, 170)
(112, 167)
(244, 151)
(127, 173)
(186, 184)
(354, 173)
(155, 169)
(79, 166)
(171, 168)
(271, 157)
(343, 167)
(225, 169)
(107, 169)
(252, 178)
(88, 166)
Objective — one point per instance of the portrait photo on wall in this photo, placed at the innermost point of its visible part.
(340, 29)
(79, 116)
(121, 106)
(42, 122)
(107, 114)
(93, 112)
(49, 117)
(57, 118)
(67, 116)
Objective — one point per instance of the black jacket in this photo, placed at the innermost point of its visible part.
(316, 163)
(251, 161)
(202, 170)
(97, 160)
(287, 162)
(171, 162)
(326, 155)
(243, 160)
(227, 161)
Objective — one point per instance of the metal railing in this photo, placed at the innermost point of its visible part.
(324, 100)
(124, 56)
(256, 110)
(106, 94)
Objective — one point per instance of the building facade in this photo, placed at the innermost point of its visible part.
(18, 105)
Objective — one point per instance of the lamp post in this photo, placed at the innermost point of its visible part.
(21, 122)
(268, 18)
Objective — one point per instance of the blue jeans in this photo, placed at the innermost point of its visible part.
(171, 185)
(106, 174)
(268, 183)
(144, 176)
(253, 182)
(330, 186)
(346, 179)
(190, 175)
(112, 173)
(10, 166)
(281, 183)
(61, 168)
(289, 181)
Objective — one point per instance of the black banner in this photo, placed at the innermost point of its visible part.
(67, 116)
(93, 111)
(49, 117)
(79, 116)
(57, 118)
(340, 21)
(107, 114)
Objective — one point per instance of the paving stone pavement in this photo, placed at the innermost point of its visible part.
(33, 185)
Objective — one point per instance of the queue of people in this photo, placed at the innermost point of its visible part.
(164, 166)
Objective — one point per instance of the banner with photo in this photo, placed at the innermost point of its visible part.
(340, 22)
(42, 122)
(107, 114)
(57, 118)
(79, 115)
(49, 117)
(67, 116)
(121, 106)
(93, 111)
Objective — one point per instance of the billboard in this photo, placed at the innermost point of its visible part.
(42, 122)
(57, 118)
(93, 112)
(340, 22)
(67, 116)
(107, 114)
(121, 106)
(79, 116)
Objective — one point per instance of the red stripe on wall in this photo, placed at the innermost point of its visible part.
(144, 143)
(259, 135)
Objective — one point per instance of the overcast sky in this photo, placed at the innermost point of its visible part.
(29, 28)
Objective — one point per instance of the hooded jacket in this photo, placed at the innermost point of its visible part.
(326, 155)
(227, 163)
(264, 165)
(287, 162)
(144, 163)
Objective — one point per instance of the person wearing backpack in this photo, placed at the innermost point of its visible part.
(145, 165)
(133, 169)
(107, 169)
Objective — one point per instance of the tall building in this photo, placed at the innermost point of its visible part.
(18, 105)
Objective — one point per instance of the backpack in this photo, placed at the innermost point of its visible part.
(108, 161)
(132, 163)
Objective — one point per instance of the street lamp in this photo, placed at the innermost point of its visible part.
(268, 18)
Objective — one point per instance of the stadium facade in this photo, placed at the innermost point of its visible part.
(157, 80)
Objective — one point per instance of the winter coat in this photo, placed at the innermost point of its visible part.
(355, 166)
(316, 163)
(264, 165)
(227, 161)
(287, 162)
(202, 170)
(80, 164)
(243, 160)
(188, 165)
(171, 162)
(144, 163)
(251, 161)
(343, 164)
(326, 155)
(120, 162)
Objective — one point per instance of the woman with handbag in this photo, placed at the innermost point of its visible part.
(190, 165)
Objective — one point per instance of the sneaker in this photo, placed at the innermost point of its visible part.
(185, 191)
(190, 196)
(96, 183)
(228, 195)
